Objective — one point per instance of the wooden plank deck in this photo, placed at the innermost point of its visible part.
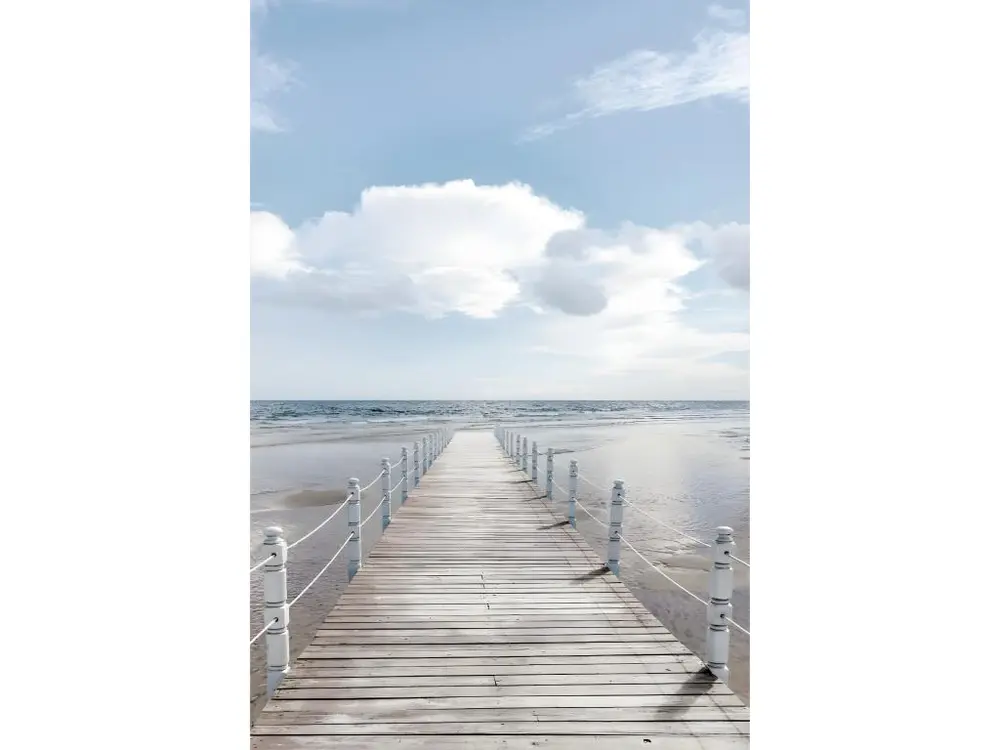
(480, 620)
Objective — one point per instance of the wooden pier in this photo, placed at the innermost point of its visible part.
(481, 620)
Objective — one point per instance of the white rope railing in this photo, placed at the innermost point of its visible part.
(592, 484)
(735, 624)
(650, 564)
(678, 531)
(718, 605)
(261, 563)
(324, 523)
(269, 624)
(581, 506)
(744, 562)
(309, 585)
(686, 591)
(372, 514)
(275, 581)
(664, 523)
(372, 483)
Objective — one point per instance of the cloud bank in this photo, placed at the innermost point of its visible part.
(483, 250)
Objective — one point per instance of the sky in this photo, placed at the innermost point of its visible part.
(501, 199)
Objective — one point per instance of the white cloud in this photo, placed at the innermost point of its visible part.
(732, 16)
(428, 249)
(585, 271)
(728, 246)
(268, 75)
(611, 297)
(272, 247)
(643, 80)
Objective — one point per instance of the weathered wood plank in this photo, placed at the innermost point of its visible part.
(504, 742)
(577, 671)
(315, 701)
(502, 685)
(535, 695)
(548, 684)
(275, 716)
(550, 621)
(522, 628)
(614, 729)
(488, 650)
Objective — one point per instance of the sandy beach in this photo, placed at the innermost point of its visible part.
(689, 473)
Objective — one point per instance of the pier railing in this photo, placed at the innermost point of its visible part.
(275, 562)
(720, 587)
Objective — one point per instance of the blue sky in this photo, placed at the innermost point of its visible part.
(499, 199)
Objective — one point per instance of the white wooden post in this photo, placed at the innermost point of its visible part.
(573, 473)
(423, 452)
(276, 608)
(416, 464)
(615, 514)
(386, 497)
(720, 608)
(549, 468)
(524, 455)
(405, 466)
(517, 449)
(353, 527)
(510, 437)
(534, 461)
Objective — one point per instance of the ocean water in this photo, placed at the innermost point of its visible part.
(685, 466)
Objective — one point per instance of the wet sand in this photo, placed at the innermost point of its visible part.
(693, 478)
